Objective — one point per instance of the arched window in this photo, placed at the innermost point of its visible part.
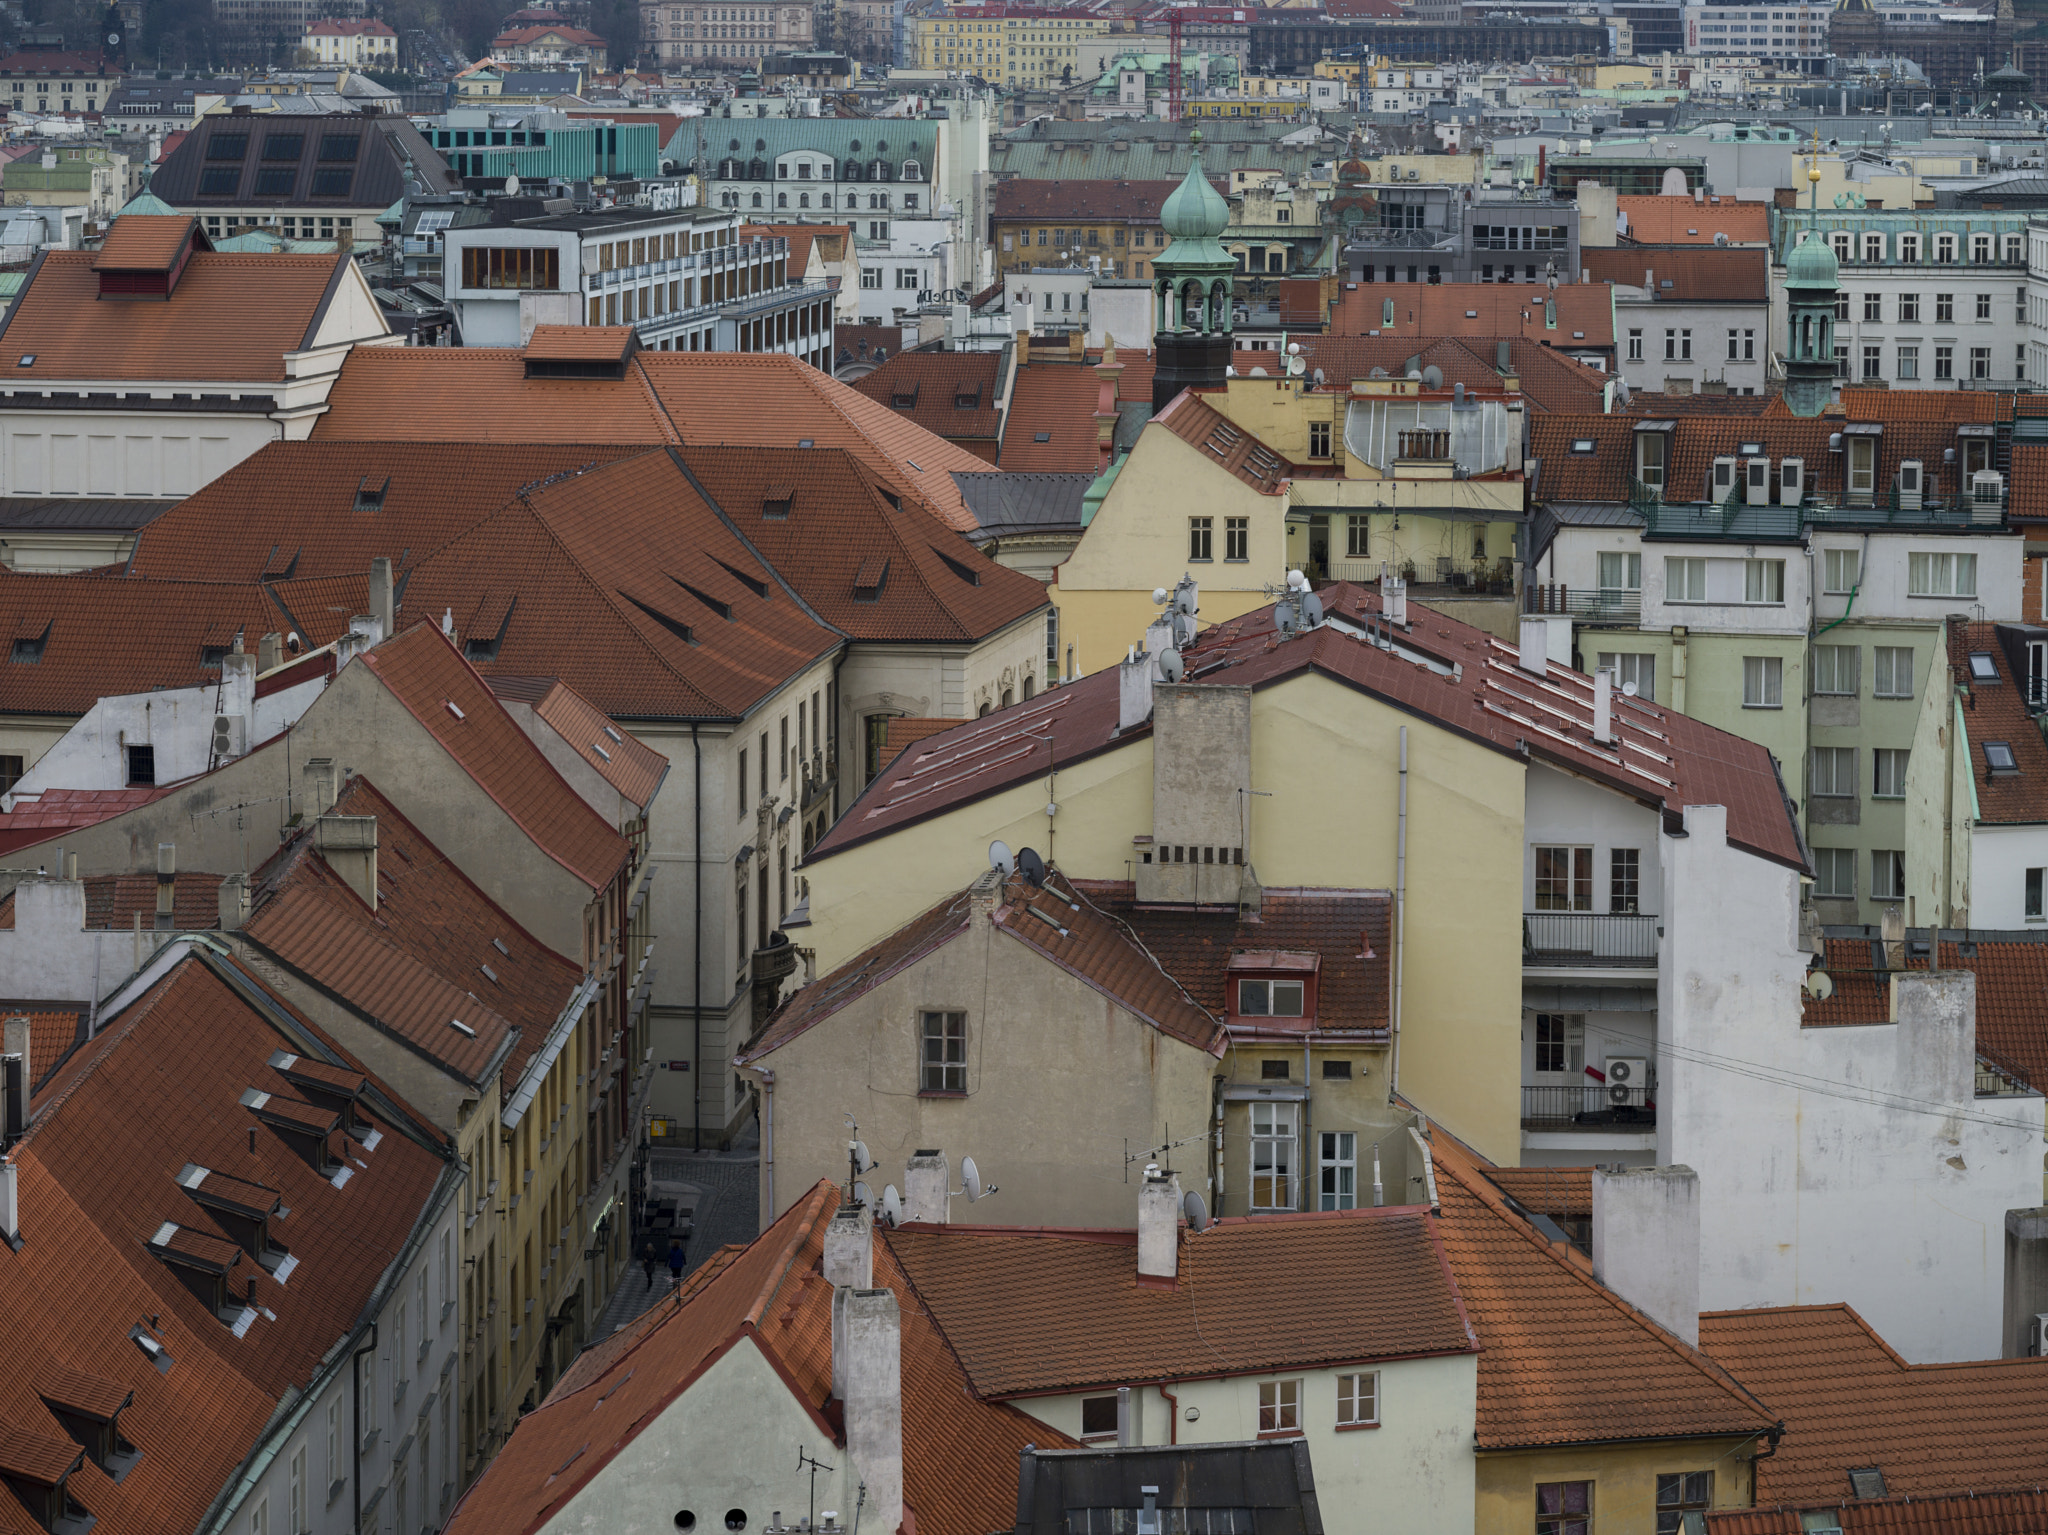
(782, 199)
(803, 199)
(757, 199)
(911, 171)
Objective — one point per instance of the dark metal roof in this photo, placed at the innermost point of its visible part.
(1023, 503)
(1252, 1488)
(324, 171)
(80, 516)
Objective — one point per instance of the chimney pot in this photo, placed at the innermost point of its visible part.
(1159, 1225)
(349, 844)
(874, 1399)
(926, 1179)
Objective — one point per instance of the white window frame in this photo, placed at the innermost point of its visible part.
(1358, 1399)
(1828, 865)
(1832, 773)
(1273, 1134)
(1685, 578)
(1941, 573)
(1837, 670)
(1620, 570)
(1280, 1406)
(1337, 1170)
(1840, 569)
(1763, 682)
(1884, 664)
(1266, 997)
(1763, 583)
(1631, 666)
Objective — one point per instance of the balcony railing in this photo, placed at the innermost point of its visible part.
(1737, 520)
(1588, 604)
(1625, 940)
(1594, 1106)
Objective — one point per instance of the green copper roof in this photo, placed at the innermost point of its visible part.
(147, 202)
(1812, 264)
(1194, 210)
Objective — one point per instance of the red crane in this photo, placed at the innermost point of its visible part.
(1173, 85)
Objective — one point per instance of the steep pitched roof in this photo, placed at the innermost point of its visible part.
(1661, 757)
(131, 1114)
(1996, 711)
(959, 1454)
(1563, 1359)
(454, 704)
(1943, 1428)
(1055, 399)
(950, 394)
(341, 160)
(634, 769)
(114, 901)
(229, 319)
(1046, 1310)
(1207, 430)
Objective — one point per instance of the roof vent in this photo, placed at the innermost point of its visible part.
(370, 496)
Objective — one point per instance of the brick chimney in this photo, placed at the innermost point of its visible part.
(349, 844)
(926, 1178)
(874, 1400)
(1159, 1226)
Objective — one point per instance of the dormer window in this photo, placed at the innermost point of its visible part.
(1270, 999)
(36, 1469)
(1269, 984)
(90, 1409)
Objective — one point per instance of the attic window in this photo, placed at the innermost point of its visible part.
(211, 657)
(1982, 667)
(967, 399)
(152, 1348)
(219, 180)
(90, 1408)
(369, 495)
(1269, 999)
(1998, 755)
(1584, 444)
(959, 568)
(284, 146)
(275, 180)
(1043, 437)
(227, 146)
(803, 442)
(338, 146)
(904, 399)
(776, 501)
(869, 580)
(1750, 449)
(28, 648)
(332, 183)
(1867, 1482)
(499, 943)
(462, 1028)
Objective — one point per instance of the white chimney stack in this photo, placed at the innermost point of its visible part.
(874, 1401)
(1603, 706)
(1159, 1225)
(383, 599)
(1394, 600)
(849, 1257)
(10, 1203)
(1646, 1242)
(1133, 692)
(1535, 656)
(926, 1177)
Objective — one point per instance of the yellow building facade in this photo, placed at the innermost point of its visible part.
(1006, 44)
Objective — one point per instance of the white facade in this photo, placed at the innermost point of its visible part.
(1781, 36)
(1057, 299)
(2000, 858)
(1662, 342)
(355, 44)
(905, 271)
(2037, 301)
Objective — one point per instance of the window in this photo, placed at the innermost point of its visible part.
(1862, 469)
(1999, 758)
(1272, 1156)
(743, 783)
(1983, 306)
(1339, 1170)
(1269, 999)
(1889, 775)
(1944, 309)
(1909, 248)
(1620, 571)
(1941, 575)
(1763, 682)
(1834, 873)
(1980, 362)
(259, 1518)
(1834, 772)
(1872, 303)
(1909, 308)
(1909, 362)
(1835, 669)
(1839, 569)
(1887, 875)
(1873, 362)
(906, 278)
(1631, 669)
(493, 266)
(871, 277)
(945, 1052)
(1685, 579)
(142, 764)
(1763, 581)
(1679, 1492)
(1319, 439)
(1841, 306)
(1198, 538)
(1945, 247)
(1357, 537)
(1635, 344)
(1336, 1071)
(1564, 879)
(10, 772)
(1891, 671)
(1650, 459)
(1564, 1508)
(2033, 911)
(1273, 1071)
(339, 146)
(1098, 1416)
(1561, 1042)
(298, 1492)
(1944, 362)
(1358, 1400)
(1873, 250)
(1279, 1406)
(331, 183)
(1237, 538)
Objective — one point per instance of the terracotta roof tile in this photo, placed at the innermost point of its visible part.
(1990, 1513)
(131, 1114)
(1565, 1192)
(2029, 482)
(950, 394)
(144, 242)
(1549, 380)
(53, 1028)
(229, 319)
(1207, 430)
(1848, 1401)
(959, 1455)
(1585, 311)
(55, 810)
(1997, 711)
(1659, 220)
(583, 343)
(1055, 398)
(1564, 1359)
(1662, 755)
(907, 730)
(116, 900)
(634, 769)
(1085, 201)
(1712, 275)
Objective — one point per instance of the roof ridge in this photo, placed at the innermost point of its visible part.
(785, 1259)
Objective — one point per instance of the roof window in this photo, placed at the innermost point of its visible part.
(90, 1408)
(1043, 437)
(26, 360)
(332, 183)
(1584, 444)
(1983, 668)
(35, 1467)
(340, 146)
(722, 609)
(227, 146)
(369, 496)
(284, 146)
(29, 640)
(275, 180)
(775, 503)
(1998, 754)
(1867, 1482)
(220, 181)
(462, 1028)
(869, 580)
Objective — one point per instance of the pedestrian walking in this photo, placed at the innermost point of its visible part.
(647, 1264)
(676, 1259)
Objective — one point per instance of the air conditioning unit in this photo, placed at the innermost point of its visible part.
(2037, 1341)
(1724, 478)
(1756, 487)
(230, 735)
(1909, 485)
(1791, 481)
(1628, 1080)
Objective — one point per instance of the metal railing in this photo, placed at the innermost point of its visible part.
(1733, 518)
(1593, 1106)
(1593, 605)
(1996, 1081)
(1589, 938)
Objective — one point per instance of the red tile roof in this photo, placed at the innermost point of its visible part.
(1585, 311)
(1712, 275)
(1662, 755)
(1086, 201)
(1849, 1401)
(959, 1454)
(143, 242)
(1659, 220)
(57, 810)
(1971, 1513)
(1045, 1310)
(1056, 398)
(1554, 1191)
(2029, 482)
(950, 394)
(1549, 380)
(635, 770)
(426, 675)
(129, 1115)
(1564, 1359)
(229, 319)
(53, 1028)
(1997, 711)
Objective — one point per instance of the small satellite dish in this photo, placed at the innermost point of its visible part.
(511, 186)
(1819, 985)
(1158, 596)
(1629, 690)
(1171, 667)
(1031, 866)
(1183, 630)
(1196, 1211)
(1001, 858)
(1432, 377)
(113, 39)
(892, 1205)
(1284, 618)
(862, 1162)
(970, 1179)
(1319, 378)
(863, 1195)
(1311, 610)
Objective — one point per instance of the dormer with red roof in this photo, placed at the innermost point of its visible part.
(143, 255)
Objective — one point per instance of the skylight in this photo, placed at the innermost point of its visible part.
(1982, 667)
(1583, 444)
(1999, 755)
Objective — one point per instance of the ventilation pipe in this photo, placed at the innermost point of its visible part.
(1603, 706)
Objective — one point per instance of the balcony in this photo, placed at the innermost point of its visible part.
(770, 300)
(1735, 520)
(1589, 940)
(1587, 604)
(1595, 1106)
(1443, 577)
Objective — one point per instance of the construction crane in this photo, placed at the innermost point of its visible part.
(1174, 101)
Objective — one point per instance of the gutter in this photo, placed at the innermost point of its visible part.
(551, 1049)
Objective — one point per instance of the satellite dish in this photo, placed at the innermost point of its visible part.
(863, 1195)
(862, 1162)
(1196, 1211)
(1183, 630)
(970, 1179)
(892, 1205)
(1319, 378)
(1284, 618)
(1432, 377)
(1001, 858)
(113, 39)
(1031, 866)
(1629, 690)
(1819, 985)
(512, 186)
(1171, 667)
(1311, 610)
(1158, 596)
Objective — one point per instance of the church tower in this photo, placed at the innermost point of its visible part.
(1812, 277)
(1191, 316)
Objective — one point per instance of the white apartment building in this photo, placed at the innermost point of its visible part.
(1679, 346)
(1782, 34)
(358, 43)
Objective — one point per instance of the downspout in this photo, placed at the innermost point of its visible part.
(1308, 1139)
(697, 921)
(1400, 916)
(1172, 1414)
(355, 1414)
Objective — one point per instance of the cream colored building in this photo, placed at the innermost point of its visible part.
(1008, 45)
(357, 43)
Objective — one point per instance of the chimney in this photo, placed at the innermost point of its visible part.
(2026, 1280)
(1603, 706)
(318, 786)
(1646, 1242)
(349, 844)
(269, 653)
(1650, 281)
(166, 885)
(1159, 1226)
(238, 685)
(234, 902)
(1394, 600)
(926, 1177)
(383, 604)
(10, 1204)
(1893, 927)
(16, 1078)
(1535, 653)
(874, 1400)
(849, 1257)
(1024, 340)
(1133, 692)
